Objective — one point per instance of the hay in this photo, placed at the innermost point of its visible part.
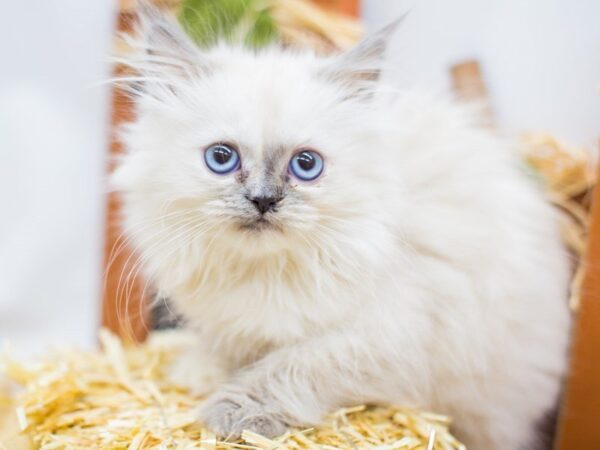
(569, 175)
(119, 398)
(301, 23)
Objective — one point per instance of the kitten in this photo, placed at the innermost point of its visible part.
(335, 242)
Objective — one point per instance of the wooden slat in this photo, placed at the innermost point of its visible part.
(578, 424)
(124, 302)
(348, 7)
(469, 85)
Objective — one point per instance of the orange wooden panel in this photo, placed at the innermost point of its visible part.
(580, 415)
(348, 7)
(469, 85)
(124, 305)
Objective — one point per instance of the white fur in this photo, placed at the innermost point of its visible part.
(423, 267)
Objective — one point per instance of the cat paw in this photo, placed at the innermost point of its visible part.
(227, 414)
(201, 377)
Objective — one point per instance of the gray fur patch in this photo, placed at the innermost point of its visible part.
(228, 413)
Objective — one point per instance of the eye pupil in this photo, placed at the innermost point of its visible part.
(222, 155)
(306, 161)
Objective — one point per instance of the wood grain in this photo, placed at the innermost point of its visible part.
(124, 301)
(580, 413)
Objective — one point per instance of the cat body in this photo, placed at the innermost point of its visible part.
(421, 267)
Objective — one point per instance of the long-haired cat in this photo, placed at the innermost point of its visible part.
(335, 242)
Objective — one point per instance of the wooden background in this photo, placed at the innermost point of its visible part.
(579, 424)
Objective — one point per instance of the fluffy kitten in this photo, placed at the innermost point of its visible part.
(333, 242)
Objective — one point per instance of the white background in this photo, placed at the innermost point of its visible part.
(540, 58)
(541, 61)
(53, 134)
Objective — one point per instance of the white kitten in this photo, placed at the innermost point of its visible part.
(334, 243)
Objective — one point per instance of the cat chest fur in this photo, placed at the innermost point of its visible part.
(266, 302)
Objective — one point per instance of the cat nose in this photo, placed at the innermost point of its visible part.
(264, 204)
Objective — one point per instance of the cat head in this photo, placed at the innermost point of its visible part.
(252, 152)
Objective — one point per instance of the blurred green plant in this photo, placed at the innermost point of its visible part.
(242, 21)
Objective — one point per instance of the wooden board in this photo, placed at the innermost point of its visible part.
(579, 426)
(468, 85)
(348, 7)
(124, 302)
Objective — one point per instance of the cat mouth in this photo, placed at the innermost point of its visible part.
(259, 224)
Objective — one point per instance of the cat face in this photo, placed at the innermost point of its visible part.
(250, 151)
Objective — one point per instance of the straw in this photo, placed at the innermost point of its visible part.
(120, 398)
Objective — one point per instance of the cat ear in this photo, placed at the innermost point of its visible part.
(160, 52)
(360, 67)
(162, 37)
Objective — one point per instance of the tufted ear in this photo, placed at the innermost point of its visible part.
(160, 52)
(360, 67)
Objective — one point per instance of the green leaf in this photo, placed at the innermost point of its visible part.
(206, 21)
(263, 32)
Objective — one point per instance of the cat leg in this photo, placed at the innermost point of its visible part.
(293, 386)
(198, 369)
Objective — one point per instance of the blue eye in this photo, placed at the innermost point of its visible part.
(222, 158)
(306, 165)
